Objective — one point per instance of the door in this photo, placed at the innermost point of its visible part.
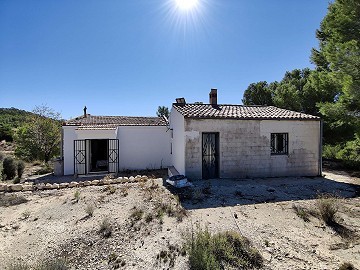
(210, 155)
(79, 157)
(113, 155)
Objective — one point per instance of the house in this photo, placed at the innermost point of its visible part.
(108, 144)
(200, 141)
(226, 141)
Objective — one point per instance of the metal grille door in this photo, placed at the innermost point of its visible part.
(210, 157)
(79, 157)
(113, 158)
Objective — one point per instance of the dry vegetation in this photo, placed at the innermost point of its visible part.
(215, 225)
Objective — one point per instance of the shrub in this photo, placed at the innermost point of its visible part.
(301, 212)
(136, 214)
(11, 199)
(9, 168)
(89, 209)
(52, 264)
(105, 228)
(18, 266)
(20, 168)
(26, 214)
(347, 266)
(207, 251)
(331, 151)
(328, 206)
(77, 196)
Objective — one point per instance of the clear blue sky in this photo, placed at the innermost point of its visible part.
(126, 57)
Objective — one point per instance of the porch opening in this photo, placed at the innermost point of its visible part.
(99, 155)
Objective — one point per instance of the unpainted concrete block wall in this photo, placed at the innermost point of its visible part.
(244, 147)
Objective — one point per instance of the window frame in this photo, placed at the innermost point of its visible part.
(273, 142)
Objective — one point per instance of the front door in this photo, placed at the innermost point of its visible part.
(210, 155)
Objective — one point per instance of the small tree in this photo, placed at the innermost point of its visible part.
(9, 168)
(163, 111)
(40, 137)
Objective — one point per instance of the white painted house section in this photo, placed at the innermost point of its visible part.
(140, 147)
(177, 127)
(144, 147)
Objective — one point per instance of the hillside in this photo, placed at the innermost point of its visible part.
(10, 119)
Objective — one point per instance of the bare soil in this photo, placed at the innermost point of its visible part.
(53, 224)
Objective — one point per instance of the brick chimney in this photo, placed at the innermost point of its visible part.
(213, 96)
(85, 111)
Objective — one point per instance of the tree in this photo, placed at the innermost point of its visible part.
(338, 57)
(258, 94)
(40, 137)
(163, 111)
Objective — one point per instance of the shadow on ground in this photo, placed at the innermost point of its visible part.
(230, 192)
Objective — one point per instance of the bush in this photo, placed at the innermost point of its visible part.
(331, 151)
(301, 212)
(347, 266)
(223, 250)
(328, 206)
(89, 209)
(20, 168)
(350, 154)
(105, 228)
(9, 168)
(18, 266)
(52, 264)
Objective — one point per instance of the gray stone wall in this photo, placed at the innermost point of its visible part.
(244, 147)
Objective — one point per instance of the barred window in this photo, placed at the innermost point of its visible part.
(279, 143)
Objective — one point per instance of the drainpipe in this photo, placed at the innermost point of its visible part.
(320, 147)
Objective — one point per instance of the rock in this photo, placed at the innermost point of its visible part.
(3, 187)
(131, 178)
(40, 186)
(48, 186)
(95, 182)
(86, 183)
(15, 187)
(73, 184)
(106, 181)
(81, 184)
(56, 186)
(28, 187)
(63, 185)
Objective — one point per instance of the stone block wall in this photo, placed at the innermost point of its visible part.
(244, 147)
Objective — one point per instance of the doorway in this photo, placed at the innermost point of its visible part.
(210, 155)
(99, 155)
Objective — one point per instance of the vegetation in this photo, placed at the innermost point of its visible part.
(39, 138)
(20, 168)
(332, 89)
(10, 120)
(9, 168)
(105, 228)
(89, 209)
(347, 266)
(163, 111)
(328, 205)
(11, 199)
(222, 250)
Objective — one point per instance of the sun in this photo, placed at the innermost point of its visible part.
(186, 4)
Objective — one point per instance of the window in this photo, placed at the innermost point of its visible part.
(279, 143)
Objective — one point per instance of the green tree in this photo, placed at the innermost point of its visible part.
(40, 137)
(163, 111)
(338, 57)
(258, 94)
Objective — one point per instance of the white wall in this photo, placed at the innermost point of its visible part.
(245, 147)
(144, 147)
(140, 147)
(178, 141)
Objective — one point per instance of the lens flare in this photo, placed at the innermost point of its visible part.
(186, 4)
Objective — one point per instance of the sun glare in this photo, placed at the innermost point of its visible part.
(186, 4)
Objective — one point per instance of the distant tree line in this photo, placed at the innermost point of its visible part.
(332, 89)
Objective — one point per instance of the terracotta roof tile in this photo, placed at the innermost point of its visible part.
(111, 122)
(240, 112)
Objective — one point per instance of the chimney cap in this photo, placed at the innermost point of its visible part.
(181, 100)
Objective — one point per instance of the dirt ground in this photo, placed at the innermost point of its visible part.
(54, 224)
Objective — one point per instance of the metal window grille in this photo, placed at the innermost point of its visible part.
(279, 143)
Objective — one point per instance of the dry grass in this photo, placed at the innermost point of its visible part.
(11, 199)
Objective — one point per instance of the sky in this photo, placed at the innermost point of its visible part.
(127, 57)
